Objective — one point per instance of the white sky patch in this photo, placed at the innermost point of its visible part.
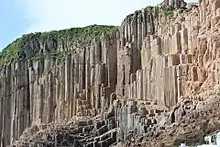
(45, 15)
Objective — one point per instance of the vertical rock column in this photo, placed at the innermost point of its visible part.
(13, 106)
(139, 75)
(182, 71)
(50, 98)
(111, 61)
(124, 69)
(132, 88)
(176, 40)
(136, 42)
(32, 89)
(99, 76)
(68, 86)
(159, 80)
(92, 76)
(145, 81)
(170, 86)
(23, 96)
(61, 100)
(145, 52)
(6, 120)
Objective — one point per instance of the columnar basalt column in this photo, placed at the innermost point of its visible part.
(139, 74)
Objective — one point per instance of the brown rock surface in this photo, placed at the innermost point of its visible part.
(154, 81)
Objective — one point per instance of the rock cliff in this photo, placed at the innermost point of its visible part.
(105, 86)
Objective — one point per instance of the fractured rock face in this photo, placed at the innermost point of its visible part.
(146, 75)
(175, 3)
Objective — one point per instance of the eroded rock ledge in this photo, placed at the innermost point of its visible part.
(129, 87)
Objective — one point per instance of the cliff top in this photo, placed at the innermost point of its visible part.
(81, 36)
(30, 45)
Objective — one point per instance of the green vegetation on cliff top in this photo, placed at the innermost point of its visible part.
(83, 35)
(167, 10)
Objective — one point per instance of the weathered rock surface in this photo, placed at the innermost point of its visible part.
(175, 3)
(152, 76)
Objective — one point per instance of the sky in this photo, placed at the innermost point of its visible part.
(19, 17)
